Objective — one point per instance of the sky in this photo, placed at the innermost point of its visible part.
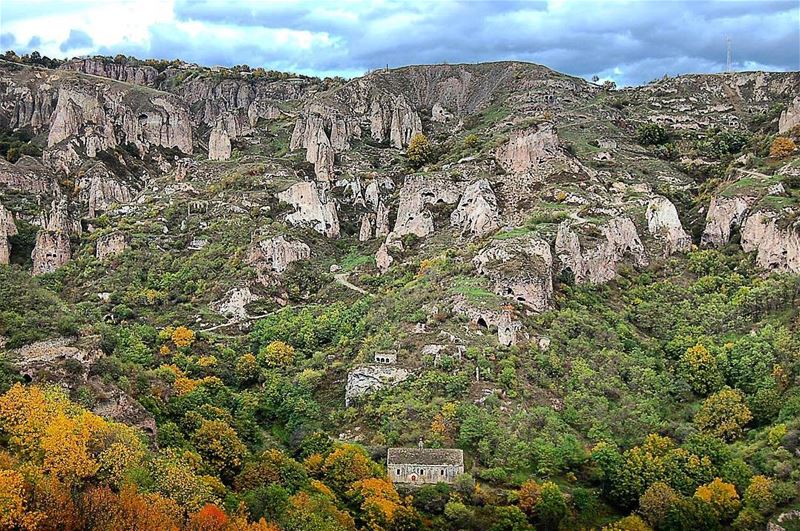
(627, 41)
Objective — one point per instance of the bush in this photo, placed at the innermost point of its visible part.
(651, 135)
(782, 147)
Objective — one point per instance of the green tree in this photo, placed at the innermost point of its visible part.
(699, 368)
(551, 507)
(651, 135)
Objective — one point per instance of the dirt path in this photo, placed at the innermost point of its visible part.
(341, 278)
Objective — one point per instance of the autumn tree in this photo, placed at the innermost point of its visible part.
(529, 495)
(759, 494)
(346, 465)
(12, 500)
(220, 446)
(782, 147)
(722, 497)
(629, 523)
(419, 151)
(723, 414)
(182, 337)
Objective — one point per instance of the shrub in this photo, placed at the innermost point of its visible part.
(782, 147)
(651, 135)
(419, 151)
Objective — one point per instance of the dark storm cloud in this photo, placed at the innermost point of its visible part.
(629, 41)
(77, 39)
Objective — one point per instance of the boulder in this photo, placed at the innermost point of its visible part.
(312, 206)
(110, 245)
(371, 378)
(777, 249)
(663, 224)
(477, 213)
(521, 269)
(723, 214)
(596, 261)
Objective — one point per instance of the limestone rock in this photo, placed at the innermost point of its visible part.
(96, 66)
(528, 148)
(273, 255)
(371, 378)
(508, 329)
(790, 117)
(384, 260)
(521, 269)
(365, 232)
(313, 207)
(320, 153)
(418, 191)
(110, 245)
(219, 144)
(664, 224)
(777, 249)
(596, 262)
(477, 212)
(723, 214)
(234, 302)
(7, 229)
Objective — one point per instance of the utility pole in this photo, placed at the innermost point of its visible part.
(729, 43)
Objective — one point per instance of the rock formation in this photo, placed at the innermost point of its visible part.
(419, 191)
(27, 175)
(596, 262)
(521, 269)
(234, 303)
(477, 212)
(219, 143)
(99, 190)
(313, 207)
(790, 117)
(370, 378)
(7, 229)
(273, 255)
(52, 249)
(528, 148)
(663, 223)
(778, 249)
(110, 245)
(97, 66)
(723, 214)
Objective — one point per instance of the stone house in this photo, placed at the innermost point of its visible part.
(420, 466)
(386, 357)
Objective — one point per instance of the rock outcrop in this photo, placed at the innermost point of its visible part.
(313, 207)
(528, 148)
(52, 249)
(596, 261)
(7, 229)
(272, 256)
(778, 249)
(418, 192)
(110, 245)
(521, 269)
(723, 214)
(27, 175)
(129, 73)
(508, 328)
(234, 303)
(219, 143)
(790, 117)
(477, 213)
(371, 378)
(663, 224)
(99, 190)
(101, 117)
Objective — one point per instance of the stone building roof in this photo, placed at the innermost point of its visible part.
(424, 456)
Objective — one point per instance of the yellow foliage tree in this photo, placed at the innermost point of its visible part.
(724, 414)
(759, 495)
(782, 147)
(629, 523)
(182, 337)
(722, 497)
(529, 495)
(66, 448)
(419, 150)
(12, 499)
(278, 354)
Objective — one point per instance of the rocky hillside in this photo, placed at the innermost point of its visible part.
(460, 207)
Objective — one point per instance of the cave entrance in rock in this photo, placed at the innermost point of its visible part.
(482, 322)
